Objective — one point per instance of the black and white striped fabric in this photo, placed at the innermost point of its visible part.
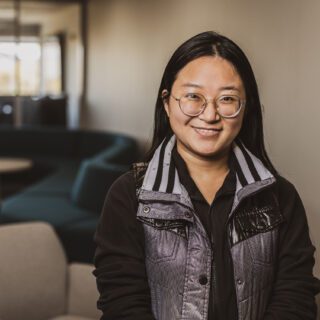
(162, 176)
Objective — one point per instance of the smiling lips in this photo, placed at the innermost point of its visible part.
(208, 132)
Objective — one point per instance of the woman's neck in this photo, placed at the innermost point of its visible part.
(204, 166)
(207, 173)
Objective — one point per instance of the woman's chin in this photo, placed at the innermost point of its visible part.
(207, 153)
(203, 151)
(210, 152)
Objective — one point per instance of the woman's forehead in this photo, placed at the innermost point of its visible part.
(209, 71)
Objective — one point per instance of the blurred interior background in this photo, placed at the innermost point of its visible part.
(80, 78)
(42, 61)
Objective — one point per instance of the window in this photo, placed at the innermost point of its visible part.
(52, 66)
(7, 68)
(29, 68)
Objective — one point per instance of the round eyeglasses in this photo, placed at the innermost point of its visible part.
(193, 104)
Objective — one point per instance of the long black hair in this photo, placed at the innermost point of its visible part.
(213, 44)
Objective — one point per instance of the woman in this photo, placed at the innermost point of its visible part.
(206, 228)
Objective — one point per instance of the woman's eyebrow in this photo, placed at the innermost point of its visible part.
(229, 88)
(189, 84)
(195, 85)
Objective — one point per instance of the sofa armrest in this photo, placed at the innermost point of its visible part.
(82, 291)
(93, 182)
(122, 151)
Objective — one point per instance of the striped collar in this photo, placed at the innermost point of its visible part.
(162, 176)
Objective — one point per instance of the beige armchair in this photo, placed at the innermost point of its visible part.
(36, 283)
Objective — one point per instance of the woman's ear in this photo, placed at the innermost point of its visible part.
(165, 99)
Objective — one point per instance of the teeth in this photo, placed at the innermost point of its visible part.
(207, 132)
(208, 129)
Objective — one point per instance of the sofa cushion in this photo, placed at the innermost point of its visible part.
(57, 210)
(33, 272)
(123, 151)
(58, 182)
(92, 142)
(92, 183)
(83, 292)
(30, 141)
(71, 317)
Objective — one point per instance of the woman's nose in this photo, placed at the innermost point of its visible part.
(209, 113)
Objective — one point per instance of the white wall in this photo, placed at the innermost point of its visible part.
(130, 42)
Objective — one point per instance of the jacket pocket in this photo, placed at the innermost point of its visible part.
(263, 251)
(162, 238)
(254, 264)
(262, 247)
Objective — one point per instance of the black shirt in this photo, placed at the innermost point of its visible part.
(214, 219)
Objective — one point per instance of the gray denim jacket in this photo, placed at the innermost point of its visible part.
(179, 256)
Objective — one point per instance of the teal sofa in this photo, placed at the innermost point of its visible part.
(79, 167)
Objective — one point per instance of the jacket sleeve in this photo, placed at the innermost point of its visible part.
(294, 290)
(119, 259)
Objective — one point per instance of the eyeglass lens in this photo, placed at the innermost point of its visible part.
(193, 104)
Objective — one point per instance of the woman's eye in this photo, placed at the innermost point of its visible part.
(227, 99)
(193, 96)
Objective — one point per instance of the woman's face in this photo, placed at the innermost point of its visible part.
(208, 134)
